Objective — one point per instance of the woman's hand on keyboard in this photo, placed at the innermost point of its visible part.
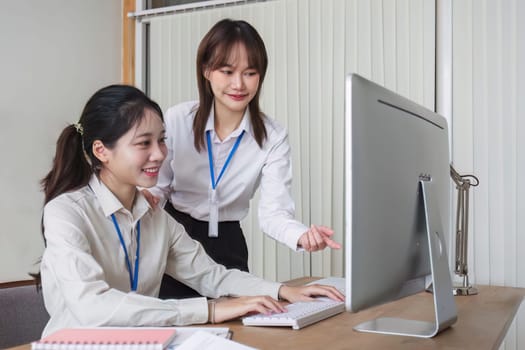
(308, 292)
(229, 308)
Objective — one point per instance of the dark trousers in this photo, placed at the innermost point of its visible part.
(229, 249)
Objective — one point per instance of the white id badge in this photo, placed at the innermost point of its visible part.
(213, 223)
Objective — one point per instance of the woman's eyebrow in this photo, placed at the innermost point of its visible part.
(144, 134)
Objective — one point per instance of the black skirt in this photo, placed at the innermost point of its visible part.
(229, 249)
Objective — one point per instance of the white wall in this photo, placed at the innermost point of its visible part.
(54, 54)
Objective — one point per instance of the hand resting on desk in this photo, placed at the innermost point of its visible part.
(229, 308)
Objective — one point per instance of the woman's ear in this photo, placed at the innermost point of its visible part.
(100, 151)
(206, 72)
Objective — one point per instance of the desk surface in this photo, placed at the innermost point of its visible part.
(483, 321)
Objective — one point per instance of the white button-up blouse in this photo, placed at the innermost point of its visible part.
(85, 279)
(185, 174)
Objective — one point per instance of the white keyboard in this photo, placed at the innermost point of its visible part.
(302, 314)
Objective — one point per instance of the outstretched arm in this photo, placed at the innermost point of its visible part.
(277, 208)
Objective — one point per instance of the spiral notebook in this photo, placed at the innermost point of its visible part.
(107, 338)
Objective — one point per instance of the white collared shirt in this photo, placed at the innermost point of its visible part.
(85, 280)
(185, 174)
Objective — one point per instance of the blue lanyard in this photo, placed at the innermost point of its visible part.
(210, 158)
(133, 279)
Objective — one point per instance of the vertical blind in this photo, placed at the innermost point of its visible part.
(312, 45)
(488, 110)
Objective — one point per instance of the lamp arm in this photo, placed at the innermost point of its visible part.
(463, 184)
(461, 267)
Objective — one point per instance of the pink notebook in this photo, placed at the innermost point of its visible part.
(136, 338)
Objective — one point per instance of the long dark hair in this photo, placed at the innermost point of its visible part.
(213, 53)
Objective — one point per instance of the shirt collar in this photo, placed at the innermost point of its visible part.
(110, 203)
(245, 125)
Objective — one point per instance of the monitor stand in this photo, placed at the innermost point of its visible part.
(444, 303)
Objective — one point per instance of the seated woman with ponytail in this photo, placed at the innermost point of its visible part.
(107, 248)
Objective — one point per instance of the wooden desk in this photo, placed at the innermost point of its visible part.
(483, 321)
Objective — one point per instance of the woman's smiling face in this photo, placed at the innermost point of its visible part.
(235, 84)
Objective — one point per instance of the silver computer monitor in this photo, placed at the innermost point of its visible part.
(396, 205)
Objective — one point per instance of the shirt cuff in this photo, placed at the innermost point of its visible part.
(191, 311)
(272, 289)
(293, 235)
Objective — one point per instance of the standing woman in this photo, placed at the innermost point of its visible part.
(107, 249)
(229, 148)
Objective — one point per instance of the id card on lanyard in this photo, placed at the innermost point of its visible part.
(213, 223)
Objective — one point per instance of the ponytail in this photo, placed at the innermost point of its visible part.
(71, 169)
